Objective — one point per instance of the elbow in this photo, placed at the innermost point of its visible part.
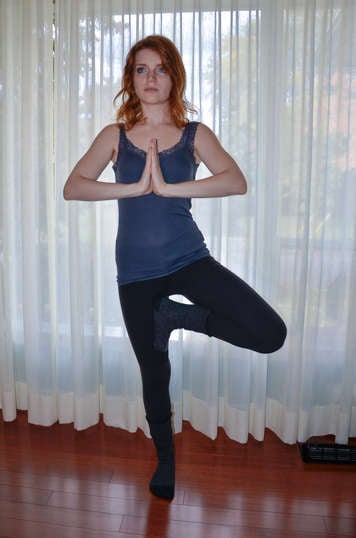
(237, 188)
(70, 194)
(67, 193)
(241, 185)
(68, 190)
(243, 188)
(242, 182)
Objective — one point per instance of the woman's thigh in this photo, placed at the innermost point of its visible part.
(137, 303)
(239, 314)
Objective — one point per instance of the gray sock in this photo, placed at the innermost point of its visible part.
(170, 315)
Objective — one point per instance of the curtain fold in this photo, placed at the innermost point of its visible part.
(28, 205)
(276, 81)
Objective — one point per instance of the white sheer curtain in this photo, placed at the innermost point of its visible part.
(276, 81)
(28, 205)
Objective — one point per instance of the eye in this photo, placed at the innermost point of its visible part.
(161, 70)
(141, 70)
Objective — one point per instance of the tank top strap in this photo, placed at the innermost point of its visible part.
(189, 134)
(122, 139)
(126, 143)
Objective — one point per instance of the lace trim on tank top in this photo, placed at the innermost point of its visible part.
(188, 136)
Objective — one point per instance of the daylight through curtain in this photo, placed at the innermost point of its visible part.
(276, 81)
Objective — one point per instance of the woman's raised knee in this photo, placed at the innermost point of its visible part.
(274, 341)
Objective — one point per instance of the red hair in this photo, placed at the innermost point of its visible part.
(130, 111)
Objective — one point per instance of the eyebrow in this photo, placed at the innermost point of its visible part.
(146, 65)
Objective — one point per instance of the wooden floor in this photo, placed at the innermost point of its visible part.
(59, 483)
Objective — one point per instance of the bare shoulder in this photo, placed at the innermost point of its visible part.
(102, 150)
(109, 133)
(206, 142)
(108, 137)
(204, 131)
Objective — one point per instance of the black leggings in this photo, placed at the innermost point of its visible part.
(238, 315)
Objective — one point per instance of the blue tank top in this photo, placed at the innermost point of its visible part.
(156, 236)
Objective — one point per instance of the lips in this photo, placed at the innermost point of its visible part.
(149, 89)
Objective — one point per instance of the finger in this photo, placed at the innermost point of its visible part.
(154, 145)
(155, 155)
(148, 163)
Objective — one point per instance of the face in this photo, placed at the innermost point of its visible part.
(151, 81)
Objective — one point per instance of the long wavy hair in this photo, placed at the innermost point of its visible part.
(130, 111)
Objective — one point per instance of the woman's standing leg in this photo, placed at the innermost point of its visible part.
(137, 300)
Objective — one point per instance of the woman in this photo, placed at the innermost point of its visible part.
(160, 250)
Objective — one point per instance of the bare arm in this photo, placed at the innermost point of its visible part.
(82, 182)
(227, 179)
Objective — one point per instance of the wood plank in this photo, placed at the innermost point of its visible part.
(341, 526)
(15, 528)
(195, 514)
(72, 484)
(182, 529)
(272, 502)
(15, 493)
(64, 517)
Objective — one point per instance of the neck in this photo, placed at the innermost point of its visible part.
(156, 114)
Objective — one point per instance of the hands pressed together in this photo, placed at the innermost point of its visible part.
(152, 178)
